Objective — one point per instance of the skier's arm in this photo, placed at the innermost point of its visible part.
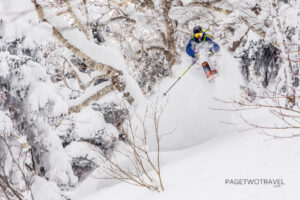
(189, 49)
(215, 47)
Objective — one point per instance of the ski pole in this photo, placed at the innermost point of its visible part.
(181, 76)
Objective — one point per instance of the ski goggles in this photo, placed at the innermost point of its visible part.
(198, 35)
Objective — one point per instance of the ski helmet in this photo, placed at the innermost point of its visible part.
(197, 29)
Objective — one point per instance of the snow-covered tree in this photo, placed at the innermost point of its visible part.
(70, 69)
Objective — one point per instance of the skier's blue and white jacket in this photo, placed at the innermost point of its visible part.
(190, 48)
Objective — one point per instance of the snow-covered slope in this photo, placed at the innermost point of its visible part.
(200, 172)
(202, 152)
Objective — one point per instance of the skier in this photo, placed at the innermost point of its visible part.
(198, 37)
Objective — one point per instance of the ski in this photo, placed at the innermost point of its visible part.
(209, 73)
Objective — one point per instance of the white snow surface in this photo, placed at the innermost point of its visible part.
(200, 172)
(201, 153)
(43, 189)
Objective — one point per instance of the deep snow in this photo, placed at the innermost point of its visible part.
(200, 172)
(202, 151)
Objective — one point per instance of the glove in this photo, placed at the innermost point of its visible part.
(211, 52)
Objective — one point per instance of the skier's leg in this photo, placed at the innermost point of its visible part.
(208, 71)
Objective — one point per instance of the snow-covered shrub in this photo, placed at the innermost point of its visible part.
(148, 67)
(16, 47)
(260, 61)
(112, 113)
(153, 66)
(68, 135)
(101, 140)
(84, 160)
(82, 165)
(84, 130)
